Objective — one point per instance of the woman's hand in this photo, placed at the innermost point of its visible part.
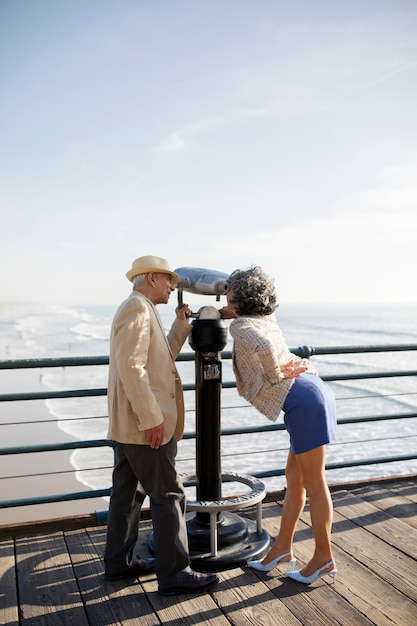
(290, 370)
(227, 314)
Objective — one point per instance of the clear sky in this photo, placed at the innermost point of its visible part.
(214, 133)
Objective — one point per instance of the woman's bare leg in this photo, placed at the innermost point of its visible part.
(294, 501)
(312, 469)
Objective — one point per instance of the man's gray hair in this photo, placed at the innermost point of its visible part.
(139, 280)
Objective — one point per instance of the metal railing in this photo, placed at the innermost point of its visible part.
(303, 351)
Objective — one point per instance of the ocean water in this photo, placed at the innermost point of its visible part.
(34, 331)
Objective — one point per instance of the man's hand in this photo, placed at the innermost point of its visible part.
(155, 435)
(183, 312)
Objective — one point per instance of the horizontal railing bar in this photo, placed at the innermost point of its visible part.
(81, 393)
(366, 375)
(56, 447)
(58, 472)
(83, 418)
(357, 376)
(308, 351)
(243, 430)
(375, 418)
(67, 361)
(75, 361)
(49, 395)
(59, 497)
(343, 465)
(284, 448)
(101, 493)
(55, 420)
(358, 349)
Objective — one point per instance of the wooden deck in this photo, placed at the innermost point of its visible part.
(55, 576)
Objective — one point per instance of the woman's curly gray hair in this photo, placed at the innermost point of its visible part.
(252, 292)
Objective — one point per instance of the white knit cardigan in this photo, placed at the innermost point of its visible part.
(259, 349)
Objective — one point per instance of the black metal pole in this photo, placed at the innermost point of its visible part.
(208, 457)
(208, 338)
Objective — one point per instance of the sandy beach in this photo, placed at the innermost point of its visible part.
(27, 475)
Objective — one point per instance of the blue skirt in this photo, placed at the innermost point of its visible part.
(310, 414)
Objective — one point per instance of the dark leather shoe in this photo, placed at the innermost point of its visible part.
(189, 581)
(141, 566)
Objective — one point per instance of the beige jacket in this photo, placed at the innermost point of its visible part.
(144, 388)
(259, 349)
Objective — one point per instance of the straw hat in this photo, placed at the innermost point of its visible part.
(145, 264)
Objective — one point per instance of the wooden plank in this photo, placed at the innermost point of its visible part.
(187, 609)
(8, 590)
(184, 609)
(377, 521)
(362, 588)
(245, 599)
(398, 504)
(181, 609)
(47, 588)
(378, 600)
(321, 599)
(24, 529)
(98, 534)
(116, 602)
(396, 568)
(406, 491)
(359, 583)
(319, 603)
(407, 488)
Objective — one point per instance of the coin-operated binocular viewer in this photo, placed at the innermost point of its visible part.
(217, 537)
(201, 281)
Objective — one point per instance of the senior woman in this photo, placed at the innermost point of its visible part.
(273, 379)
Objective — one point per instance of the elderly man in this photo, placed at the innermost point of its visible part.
(146, 419)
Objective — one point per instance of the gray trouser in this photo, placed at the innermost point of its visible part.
(140, 470)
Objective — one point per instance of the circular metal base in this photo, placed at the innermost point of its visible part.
(230, 528)
(238, 543)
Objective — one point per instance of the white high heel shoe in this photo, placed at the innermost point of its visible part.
(317, 574)
(268, 566)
